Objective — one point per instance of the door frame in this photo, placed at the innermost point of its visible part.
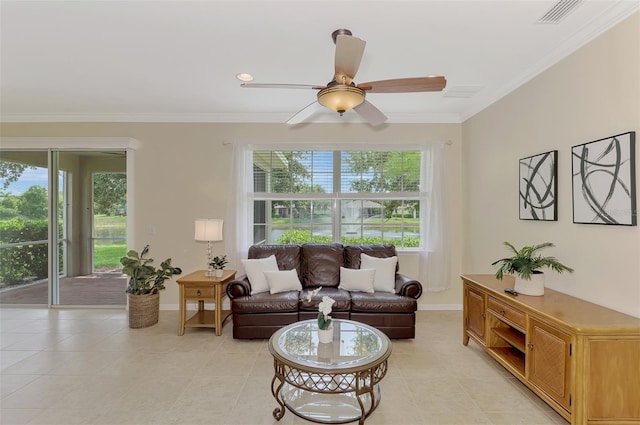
(51, 144)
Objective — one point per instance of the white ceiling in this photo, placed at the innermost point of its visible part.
(176, 61)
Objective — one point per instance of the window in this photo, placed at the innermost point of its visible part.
(352, 197)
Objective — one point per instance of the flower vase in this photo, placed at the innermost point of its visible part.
(218, 272)
(325, 335)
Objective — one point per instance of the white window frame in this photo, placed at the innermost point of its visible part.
(336, 196)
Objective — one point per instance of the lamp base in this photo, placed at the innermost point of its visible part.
(210, 272)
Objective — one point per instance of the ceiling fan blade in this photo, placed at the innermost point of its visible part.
(349, 51)
(304, 113)
(370, 113)
(280, 86)
(405, 85)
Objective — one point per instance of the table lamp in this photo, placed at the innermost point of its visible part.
(209, 230)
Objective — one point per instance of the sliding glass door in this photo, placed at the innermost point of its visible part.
(24, 227)
(62, 227)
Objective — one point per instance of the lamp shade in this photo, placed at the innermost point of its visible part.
(208, 229)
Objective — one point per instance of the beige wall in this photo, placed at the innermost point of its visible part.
(181, 172)
(592, 94)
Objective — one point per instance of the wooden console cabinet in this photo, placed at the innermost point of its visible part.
(580, 358)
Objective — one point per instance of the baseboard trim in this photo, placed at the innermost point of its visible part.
(439, 307)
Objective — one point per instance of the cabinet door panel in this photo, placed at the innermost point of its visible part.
(549, 361)
(613, 379)
(476, 313)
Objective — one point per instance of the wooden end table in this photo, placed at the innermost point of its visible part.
(197, 286)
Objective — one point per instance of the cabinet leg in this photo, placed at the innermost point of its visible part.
(181, 321)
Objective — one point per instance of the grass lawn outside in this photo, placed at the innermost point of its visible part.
(107, 253)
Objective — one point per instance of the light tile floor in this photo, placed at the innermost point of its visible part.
(85, 366)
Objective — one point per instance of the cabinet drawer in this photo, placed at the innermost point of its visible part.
(511, 314)
(199, 292)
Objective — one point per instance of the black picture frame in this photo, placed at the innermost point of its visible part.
(538, 187)
(604, 181)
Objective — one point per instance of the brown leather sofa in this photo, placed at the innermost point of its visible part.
(258, 316)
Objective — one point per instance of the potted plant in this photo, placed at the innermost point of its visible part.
(145, 282)
(325, 327)
(525, 264)
(218, 263)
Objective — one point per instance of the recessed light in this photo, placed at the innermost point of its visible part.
(243, 76)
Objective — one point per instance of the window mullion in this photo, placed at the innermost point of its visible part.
(336, 218)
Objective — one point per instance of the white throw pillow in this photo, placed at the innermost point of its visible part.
(357, 280)
(385, 277)
(255, 269)
(281, 281)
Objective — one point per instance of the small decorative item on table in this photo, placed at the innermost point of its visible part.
(525, 264)
(325, 328)
(218, 264)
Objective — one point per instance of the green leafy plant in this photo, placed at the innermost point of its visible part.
(527, 261)
(144, 278)
(218, 263)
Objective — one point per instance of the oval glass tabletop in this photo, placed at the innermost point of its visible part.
(354, 344)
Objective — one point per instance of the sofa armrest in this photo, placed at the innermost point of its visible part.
(408, 287)
(239, 288)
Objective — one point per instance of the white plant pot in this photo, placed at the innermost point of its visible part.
(325, 336)
(533, 286)
(218, 272)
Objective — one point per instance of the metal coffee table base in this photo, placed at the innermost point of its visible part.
(327, 396)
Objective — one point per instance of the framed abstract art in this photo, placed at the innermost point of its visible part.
(538, 189)
(604, 181)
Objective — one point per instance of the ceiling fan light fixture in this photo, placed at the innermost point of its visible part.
(341, 98)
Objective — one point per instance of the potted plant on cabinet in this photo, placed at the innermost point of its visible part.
(218, 263)
(525, 264)
(145, 283)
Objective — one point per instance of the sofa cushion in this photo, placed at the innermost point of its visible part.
(281, 281)
(266, 303)
(288, 257)
(255, 268)
(352, 253)
(359, 280)
(321, 264)
(382, 302)
(385, 276)
(341, 297)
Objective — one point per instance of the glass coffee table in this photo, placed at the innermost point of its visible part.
(335, 382)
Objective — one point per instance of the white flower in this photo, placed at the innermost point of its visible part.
(325, 306)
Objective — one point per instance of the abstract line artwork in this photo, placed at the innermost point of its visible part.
(604, 181)
(538, 187)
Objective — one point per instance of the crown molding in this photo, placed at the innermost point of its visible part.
(613, 16)
(69, 142)
(414, 118)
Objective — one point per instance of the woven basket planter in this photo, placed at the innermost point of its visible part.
(143, 310)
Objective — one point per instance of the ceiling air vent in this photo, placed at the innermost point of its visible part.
(559, 11)
(462, 91)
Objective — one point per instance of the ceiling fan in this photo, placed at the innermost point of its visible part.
(341, 94)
